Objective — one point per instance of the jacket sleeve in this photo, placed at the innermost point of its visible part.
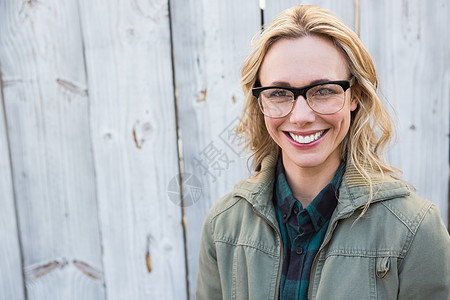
(424, 273)
(208, 277)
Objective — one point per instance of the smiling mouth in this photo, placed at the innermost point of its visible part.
(307, 139)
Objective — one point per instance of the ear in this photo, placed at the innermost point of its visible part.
(354, 96)
(353, 104)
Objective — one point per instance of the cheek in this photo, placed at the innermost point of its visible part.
(345, 123)
(272, 126)
(340, 122)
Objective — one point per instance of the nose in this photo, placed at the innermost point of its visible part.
(301, 113)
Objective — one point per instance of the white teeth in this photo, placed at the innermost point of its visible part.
(306, 139)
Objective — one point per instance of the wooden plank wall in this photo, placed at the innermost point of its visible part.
(11, 279)
(410, 46)
(46, 108)
(133, 134)
(211, 39)
(106, 105)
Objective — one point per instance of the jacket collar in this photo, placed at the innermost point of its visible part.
(353, 193)
(258, 189)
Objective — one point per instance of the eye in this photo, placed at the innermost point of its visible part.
(326, 90)
(277, 94)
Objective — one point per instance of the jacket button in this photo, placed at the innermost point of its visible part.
(296, 210)
(299, 250)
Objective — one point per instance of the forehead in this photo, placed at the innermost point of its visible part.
(302, 61)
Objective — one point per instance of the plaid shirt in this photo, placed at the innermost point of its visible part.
(302, 230)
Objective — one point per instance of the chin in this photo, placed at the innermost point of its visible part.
(306, 161)
(317, 159)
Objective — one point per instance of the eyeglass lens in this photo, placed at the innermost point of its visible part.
(323, 99)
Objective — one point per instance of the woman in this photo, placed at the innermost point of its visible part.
(324, 216)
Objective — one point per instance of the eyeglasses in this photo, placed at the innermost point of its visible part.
(324, 98)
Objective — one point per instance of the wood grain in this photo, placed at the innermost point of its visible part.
(345, 9)
(12, 285)
(411, 52)
(48, 125)
(133, 131)
(210, 42)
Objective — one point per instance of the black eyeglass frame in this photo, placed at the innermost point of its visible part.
(301, 91)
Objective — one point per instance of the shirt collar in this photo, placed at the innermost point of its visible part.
(318, 212)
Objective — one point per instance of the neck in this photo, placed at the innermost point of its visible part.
(306, 183)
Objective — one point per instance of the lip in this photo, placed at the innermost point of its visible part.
(305, 133)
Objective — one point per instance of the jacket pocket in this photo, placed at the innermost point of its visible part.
(357, 275)
(254, 273)
(386, 277)
(345, 277)
(382, 268)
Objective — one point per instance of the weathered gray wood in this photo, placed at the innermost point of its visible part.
(410, 46)
(345, 9)
(93, 171)
(211, 40)
(11, 279)
(45, 96)
(133, 130)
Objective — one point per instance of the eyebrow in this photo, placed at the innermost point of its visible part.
(284, 83)
(321, 80)
(280, 83)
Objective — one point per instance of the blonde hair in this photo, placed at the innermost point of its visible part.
(362, 146)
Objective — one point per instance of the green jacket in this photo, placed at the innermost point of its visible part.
(399, 249)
